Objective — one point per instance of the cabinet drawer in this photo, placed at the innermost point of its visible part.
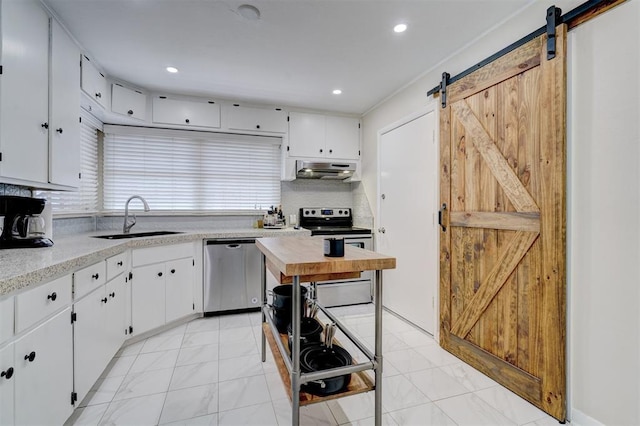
(89, 278)
(147, 256)
(6, 319)
(186, 113)
(257, 119)
(37, 304)
(131, 103)
(116, 265)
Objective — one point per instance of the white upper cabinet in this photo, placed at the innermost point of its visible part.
(257, 119)
(93, 82)
(342, 137)
(186, 113)
(306, 134)
(131, 103)
(64, 131)
(24, 88)
(324, 136)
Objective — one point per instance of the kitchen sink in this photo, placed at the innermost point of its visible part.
(136, 235)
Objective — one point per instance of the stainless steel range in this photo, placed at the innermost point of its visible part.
(338, 222)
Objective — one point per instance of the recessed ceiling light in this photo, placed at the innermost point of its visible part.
(249, 12)
(172, 70)
(400, 28)
(337, 92)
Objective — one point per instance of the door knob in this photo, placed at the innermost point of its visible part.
(382, 230)
(383, 196)
(59, 130)
(30, 357)
(53, 296)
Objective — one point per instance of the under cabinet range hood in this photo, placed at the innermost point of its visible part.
(318, 169)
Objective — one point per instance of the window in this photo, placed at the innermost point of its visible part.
(85, 199)
(189, 171)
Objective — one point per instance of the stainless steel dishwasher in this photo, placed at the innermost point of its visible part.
(232, 275)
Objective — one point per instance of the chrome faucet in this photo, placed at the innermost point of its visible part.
(129, 224)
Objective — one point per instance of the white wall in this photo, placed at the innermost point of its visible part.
(604, 216)
(603, 378)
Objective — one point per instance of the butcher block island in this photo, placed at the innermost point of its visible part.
(299, 260)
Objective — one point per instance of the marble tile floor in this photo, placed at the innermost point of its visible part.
(208, 372)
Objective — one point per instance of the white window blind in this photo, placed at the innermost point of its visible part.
(190, 171)
(85, 199)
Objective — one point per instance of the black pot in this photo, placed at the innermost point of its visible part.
(310, 331)
(282, 319)
(319, 357)
(283, 294)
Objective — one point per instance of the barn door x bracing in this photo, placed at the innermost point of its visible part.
(502, 283)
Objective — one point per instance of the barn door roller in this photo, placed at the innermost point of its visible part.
(573, 18)
(554, 19)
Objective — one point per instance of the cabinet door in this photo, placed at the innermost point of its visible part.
(64, 134)
(148, 297)
(186, 113)
(306, 135)
(131, 103)
(24, 88)
(93, 82)
(257, 119)
(179, 288)
(44, 373)
(342, 137)
(89, 341)
(7, 379)
(116, 327)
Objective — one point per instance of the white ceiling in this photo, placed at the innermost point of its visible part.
(294, 55)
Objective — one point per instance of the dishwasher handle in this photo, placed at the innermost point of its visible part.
(233, 246)
(229, 242)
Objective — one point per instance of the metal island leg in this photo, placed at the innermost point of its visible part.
(263, 294)
(378, 349)
(295, 352)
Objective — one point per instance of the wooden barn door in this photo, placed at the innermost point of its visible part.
(502, 283)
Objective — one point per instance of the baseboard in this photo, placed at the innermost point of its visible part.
(579, 418)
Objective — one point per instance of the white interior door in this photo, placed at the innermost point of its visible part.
(407, 228)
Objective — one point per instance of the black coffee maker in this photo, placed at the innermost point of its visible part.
(22, 227)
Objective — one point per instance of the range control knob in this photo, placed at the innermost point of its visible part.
(306, 212)
(313, 212)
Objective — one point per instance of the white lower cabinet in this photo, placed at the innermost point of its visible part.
(162, 285)
(117, 293)
(7, 379)
(43, 373)
(148, 298)
(179, 289)
(89, 346)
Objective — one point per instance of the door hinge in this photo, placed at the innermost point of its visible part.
(0, 69)
(443, 88)
(553, 20)
(193, 307)
(130, 276)
(287, 118)
(130, 330)
(0, 156)
(440, 217)
(287, 148)
(358, 152)
(79, 175)
(80, 119)
(74, 317)
(74, 397)
(193, 261)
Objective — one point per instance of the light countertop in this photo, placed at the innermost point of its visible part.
(23, 268)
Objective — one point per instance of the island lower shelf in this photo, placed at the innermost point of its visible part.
(360, 381)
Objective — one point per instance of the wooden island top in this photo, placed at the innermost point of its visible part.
(304, 256)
